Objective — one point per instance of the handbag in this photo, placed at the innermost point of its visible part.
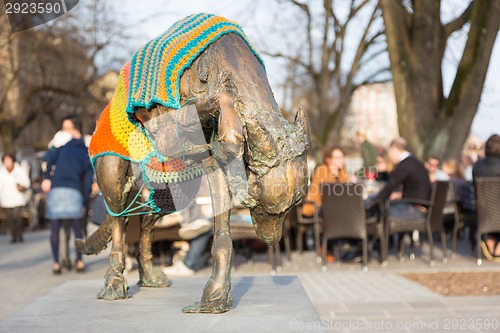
(21, 188)
(98, 211)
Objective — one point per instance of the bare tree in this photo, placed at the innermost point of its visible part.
(52, 71)
(320, 71)
(417, 39)
(9, 72)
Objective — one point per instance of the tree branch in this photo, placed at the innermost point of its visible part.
(305, 8)
(295, 60)
(458, 22)
(355, 10)
(362, 47)
(397, 33)
(301, 5)
(371, 77)
(325, 49)
(372, 56)
(473, 65)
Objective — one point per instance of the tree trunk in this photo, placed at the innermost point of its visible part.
(463, 101)
(6, 137)
(416, 43)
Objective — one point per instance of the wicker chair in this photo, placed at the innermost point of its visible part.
(436, 214)
(431, 223)
(344, 216)
(461, 221)
(488, 209)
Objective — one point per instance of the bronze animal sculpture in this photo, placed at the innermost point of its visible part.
(227, 89)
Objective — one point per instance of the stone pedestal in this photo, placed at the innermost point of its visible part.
(261, 304)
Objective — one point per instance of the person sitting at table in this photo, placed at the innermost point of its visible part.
(383, 168)
(409, 173)
(435, 173)
(332, 170)
(490, 167)
(463, 190)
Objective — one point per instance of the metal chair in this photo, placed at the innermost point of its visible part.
(431, 223)
(287, 231)
(488, 209)
(240, 231)
(344, 216)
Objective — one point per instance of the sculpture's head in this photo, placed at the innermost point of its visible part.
(278, 173)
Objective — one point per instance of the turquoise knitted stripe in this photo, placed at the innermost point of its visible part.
(188, 24)
(144, 73)
(164, 39)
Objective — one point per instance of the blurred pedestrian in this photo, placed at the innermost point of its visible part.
(68, 180)
(14, 181)
(369, 154)
(62, 137)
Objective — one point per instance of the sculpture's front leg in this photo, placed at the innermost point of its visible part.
(217, 295)
(229, 146)
(149, 276)
(115, 285)
(115, 180)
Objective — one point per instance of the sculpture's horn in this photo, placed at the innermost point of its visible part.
(301, 123)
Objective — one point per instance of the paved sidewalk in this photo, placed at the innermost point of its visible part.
(346, 299)
(385, 301)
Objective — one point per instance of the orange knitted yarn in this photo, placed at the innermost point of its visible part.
(115, 133)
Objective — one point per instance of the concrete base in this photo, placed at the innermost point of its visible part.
(261, 304)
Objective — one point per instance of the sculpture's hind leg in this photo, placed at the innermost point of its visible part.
(217, 295)
(115, 180)
(149, 276)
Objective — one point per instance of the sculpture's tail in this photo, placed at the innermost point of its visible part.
(96, 242)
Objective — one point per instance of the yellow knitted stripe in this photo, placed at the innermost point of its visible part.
(126, 133)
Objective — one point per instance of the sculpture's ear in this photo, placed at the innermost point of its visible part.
(301, 124)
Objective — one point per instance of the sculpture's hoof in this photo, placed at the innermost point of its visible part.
(157, 279)
(114, 289)
(215, 306)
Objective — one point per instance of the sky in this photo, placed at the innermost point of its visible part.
(259, 20)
